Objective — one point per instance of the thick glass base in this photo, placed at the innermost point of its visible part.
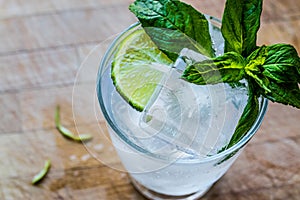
(157, 196)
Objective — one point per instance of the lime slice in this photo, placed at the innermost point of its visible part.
(137, 69)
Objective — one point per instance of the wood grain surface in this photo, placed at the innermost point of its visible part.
(43, 49)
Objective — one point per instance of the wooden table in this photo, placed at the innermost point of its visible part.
(42, 46)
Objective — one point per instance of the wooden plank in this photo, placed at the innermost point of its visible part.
(22, 189)
(80, 183)
(277, 10)
(285, 192)
(67, 28)
(50, 68)
(24, 156)
(262, 171)
(15, 8)
(273, 10)
(1, 191)
(265, 165)
(280, 32)
(10, 108)
(38, 106)
(38, 69)
(277, 126)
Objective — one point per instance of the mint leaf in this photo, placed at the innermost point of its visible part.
(281, 63)
(173, 25)
(227, 68)
(240, 23)
(288, 94)
(275, 69)
(248, 117)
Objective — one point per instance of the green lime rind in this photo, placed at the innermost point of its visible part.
(41, 175)
(66, 132)
(137, 68)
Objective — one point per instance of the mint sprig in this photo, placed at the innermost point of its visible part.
(273, 68)
(271, 71)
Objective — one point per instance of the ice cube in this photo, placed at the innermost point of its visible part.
(198, 120)
(182, 115)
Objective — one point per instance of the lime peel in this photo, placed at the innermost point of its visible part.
(41, 175)
(66, 132)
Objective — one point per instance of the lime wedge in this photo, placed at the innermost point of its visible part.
(137, 69)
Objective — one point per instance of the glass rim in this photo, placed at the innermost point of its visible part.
(118, 131)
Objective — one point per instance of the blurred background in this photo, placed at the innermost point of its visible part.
(43, 45)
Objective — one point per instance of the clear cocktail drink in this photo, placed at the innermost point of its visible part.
(173, 147)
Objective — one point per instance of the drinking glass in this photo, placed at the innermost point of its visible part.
(161, 169)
